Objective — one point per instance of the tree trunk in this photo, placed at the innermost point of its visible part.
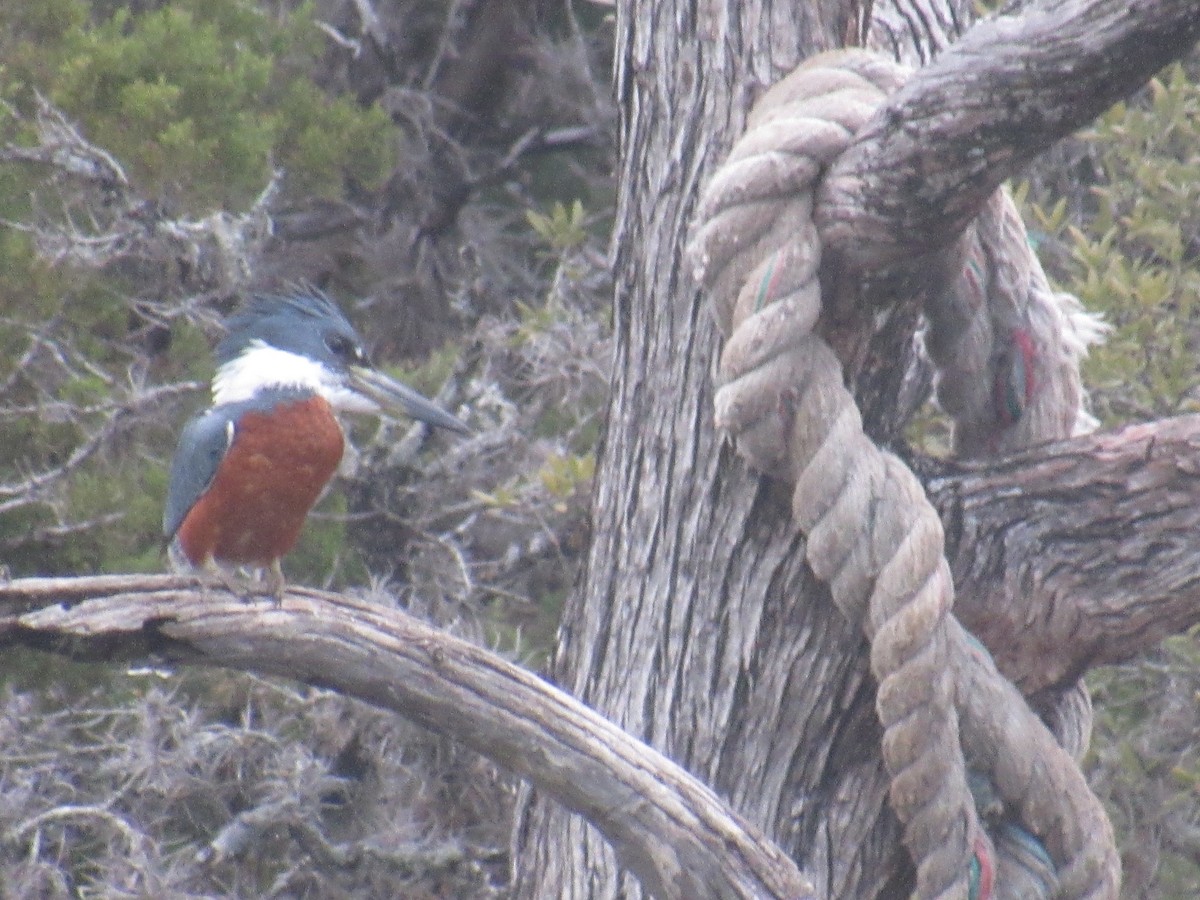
(697, 625)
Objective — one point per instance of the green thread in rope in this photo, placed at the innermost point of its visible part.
(1030, 844)
(974, 271)
(981, 873)
(767, 285)
(974, 878)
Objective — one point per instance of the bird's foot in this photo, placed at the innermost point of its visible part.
(213, 577)
(275, 582)
(247, 584)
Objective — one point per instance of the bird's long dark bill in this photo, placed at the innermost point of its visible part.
(393, 396)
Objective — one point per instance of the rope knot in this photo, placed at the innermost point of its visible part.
(996, 334)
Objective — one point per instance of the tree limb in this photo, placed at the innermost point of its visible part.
(677, 836)
(1077, 553)
(1074, 554)
(923, 167)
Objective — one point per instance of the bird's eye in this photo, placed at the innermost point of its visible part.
(344, 348)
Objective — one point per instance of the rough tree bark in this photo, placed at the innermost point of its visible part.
(696, 626)
(1059, 66)
(1093, 539)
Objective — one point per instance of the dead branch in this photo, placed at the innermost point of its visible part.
(1078, 553)
(677, 836)
(923, 167)
(101, 220)
(115, 416)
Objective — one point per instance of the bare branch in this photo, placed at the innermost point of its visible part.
(219, 249)
(117, 415)
(923, 167)
(62, 146)
(668, 828)
(135, 841)
(1078, 553)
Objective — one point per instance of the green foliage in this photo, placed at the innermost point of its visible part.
(1134, 255)
(563, 228)
(322, 555)
(431, 374)
(1145, 762)
(1134, 259)
(325, 142)
(563, 474)
(535, 320)
(198, 99)
(528, 639)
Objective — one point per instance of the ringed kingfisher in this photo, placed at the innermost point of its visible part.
(248, 470)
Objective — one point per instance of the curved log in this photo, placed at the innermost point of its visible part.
(674, 833)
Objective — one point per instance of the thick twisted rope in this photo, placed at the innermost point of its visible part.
(1007, 348)
(872, 535)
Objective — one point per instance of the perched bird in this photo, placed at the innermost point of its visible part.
(248, 470)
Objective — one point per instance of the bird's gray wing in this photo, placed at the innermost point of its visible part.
(204, 442)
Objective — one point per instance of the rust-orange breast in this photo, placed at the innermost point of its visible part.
(269, 479)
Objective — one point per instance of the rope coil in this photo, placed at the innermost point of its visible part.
(871, 533)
